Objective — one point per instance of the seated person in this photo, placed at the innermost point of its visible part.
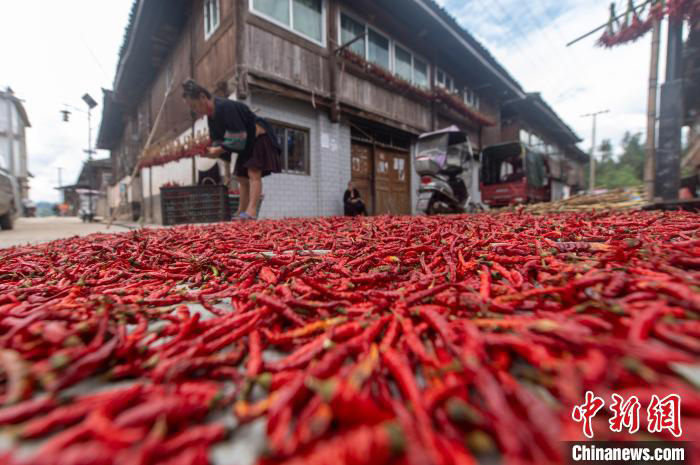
(352, 202)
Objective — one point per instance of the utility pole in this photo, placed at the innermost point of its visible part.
(591, 186)
(60, 184)
(649, 161)
(667, 180)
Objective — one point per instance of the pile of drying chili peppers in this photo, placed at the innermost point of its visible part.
(440, 340)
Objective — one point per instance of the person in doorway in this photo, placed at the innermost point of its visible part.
(233, 127)
(352, 202)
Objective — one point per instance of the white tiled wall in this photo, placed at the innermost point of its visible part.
(321, 192)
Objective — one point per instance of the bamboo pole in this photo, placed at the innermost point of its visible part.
(135, 171)
(649, 161)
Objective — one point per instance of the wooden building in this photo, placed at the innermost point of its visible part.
(534, 123)
(348, 86)
(89, 193)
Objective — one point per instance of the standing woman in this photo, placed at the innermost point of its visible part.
(233, 127)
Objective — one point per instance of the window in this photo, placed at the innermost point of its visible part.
(524, 137)
(4, 121)
(4, 163)
(168, 77)
(410, 68)
(211, 17)
(378, 49)
(444, 80)
(420, 73)
(349, 30)
(304, 17)
(17, 156)
(308, 17)
(470, 98)
(275, 9)
(295, 148)
(403, 63)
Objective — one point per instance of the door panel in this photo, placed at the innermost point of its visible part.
(361, 160)
(395, 185)
(391, 189)
(382, 182)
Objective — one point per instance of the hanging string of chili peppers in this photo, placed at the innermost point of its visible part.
(640, 19)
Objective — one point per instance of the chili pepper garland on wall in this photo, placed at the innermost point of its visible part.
(163, 153)
(439, 95)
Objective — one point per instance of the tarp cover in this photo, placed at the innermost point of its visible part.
(557, 167)
(534, 167)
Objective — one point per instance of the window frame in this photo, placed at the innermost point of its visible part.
(389, 45)
(392, 47)
(395, 43)
(470, 97)
(213, 28)
(393, 63)
(290, 27)
(447, 77)
(357, 20)
(427, 69)
(285, 155)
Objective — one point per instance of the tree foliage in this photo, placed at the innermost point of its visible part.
(625, 170)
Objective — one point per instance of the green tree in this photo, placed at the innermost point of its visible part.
(624, 171)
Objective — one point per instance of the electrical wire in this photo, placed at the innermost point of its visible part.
(517, 44)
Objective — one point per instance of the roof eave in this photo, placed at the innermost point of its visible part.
(507, 80)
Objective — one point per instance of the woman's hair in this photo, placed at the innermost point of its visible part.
(192, 90)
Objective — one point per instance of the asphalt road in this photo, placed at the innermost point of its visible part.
(37, 230)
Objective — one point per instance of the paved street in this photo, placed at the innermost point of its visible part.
(36, 230)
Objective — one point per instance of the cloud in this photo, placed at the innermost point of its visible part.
(529, 40)
(64, 49)
(61, 51)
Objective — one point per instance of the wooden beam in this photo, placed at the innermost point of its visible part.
(241, 19)
(334, 75)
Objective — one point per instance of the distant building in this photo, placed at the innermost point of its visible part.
(89, 193)
(13, 144)
(534, 123)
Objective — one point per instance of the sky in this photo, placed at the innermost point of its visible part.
(61, 50)
(57, 52)
(529, 38)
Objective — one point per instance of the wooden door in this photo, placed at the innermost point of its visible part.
(393, 185)
(362, 160)
(382, 183)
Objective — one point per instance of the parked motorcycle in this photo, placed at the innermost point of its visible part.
(449, 173)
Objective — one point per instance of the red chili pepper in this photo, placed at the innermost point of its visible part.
(24, 410)
(365, 445)
(173, 408)
(255, 361)
(204, 435)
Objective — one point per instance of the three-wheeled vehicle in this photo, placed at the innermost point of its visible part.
(449, 173)
(513, 174)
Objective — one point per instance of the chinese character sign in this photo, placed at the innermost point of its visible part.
(662, 414)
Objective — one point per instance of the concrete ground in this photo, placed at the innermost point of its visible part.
(37, 230)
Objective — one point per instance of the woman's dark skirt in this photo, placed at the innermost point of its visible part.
(264, 157)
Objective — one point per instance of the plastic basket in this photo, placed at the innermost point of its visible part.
(194, 204)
